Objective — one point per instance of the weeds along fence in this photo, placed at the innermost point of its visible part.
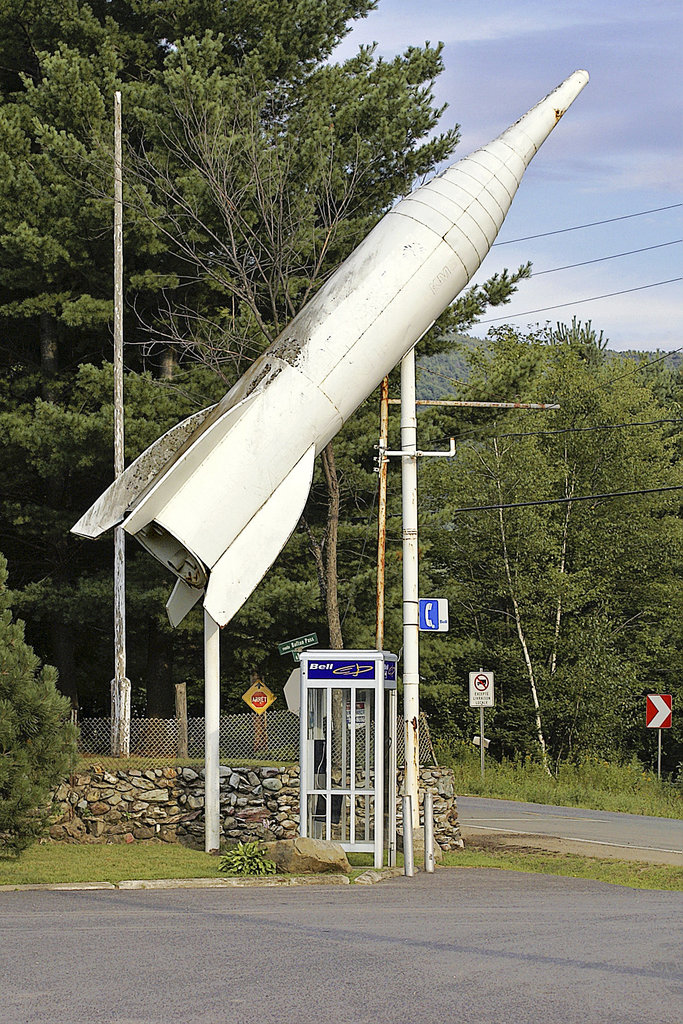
(248, 738)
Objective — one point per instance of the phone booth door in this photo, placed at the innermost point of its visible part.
(342, 745)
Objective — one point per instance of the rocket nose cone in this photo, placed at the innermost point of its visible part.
(527, 135)
(566, 93)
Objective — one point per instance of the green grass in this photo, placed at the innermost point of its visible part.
(62, 862)
(594, 783)
(57, 862)
(634, 874)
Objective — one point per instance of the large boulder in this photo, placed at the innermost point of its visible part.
(303, 856)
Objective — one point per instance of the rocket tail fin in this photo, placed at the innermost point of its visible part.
(182, 600)
(112, 505)
(240, 569)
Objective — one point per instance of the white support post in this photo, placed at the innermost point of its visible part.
(429, 830)
(212, 710)
(411, 635)
(408, 860)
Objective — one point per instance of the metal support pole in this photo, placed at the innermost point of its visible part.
(659, 754)
(120, 686)
(481, 739)
(411, 654)
(429, 831)
(212, 710)
(382, 511)
(408, 862)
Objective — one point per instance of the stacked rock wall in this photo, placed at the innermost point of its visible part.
(167, 804)
(440, 783)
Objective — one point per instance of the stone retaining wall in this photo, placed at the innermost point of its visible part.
(167, 804)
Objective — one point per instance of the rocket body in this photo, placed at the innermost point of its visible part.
(216, 498)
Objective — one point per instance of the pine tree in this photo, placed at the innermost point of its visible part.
(37, 741)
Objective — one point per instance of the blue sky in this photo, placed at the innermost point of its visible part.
(618, 151)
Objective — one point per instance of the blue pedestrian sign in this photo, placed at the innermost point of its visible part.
(433, 615)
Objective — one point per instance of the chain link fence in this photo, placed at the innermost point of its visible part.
(272, 736)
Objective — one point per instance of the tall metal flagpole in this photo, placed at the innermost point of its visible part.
(120, 685)
(411, 636)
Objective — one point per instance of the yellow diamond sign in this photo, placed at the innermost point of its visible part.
(258, 697)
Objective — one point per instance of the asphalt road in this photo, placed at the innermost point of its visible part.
(470, 946)
(605, 833)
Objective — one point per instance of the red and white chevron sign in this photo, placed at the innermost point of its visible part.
(658, 711)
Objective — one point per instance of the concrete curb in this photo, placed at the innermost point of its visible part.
(183, 883)
(57, 886)
(233, 883)
(373, 875)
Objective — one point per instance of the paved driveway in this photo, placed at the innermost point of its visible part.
(602, 833)
(467, 946)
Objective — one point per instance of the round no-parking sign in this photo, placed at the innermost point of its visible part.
(481, 689)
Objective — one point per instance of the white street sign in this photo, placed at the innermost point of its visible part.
(481, 689)
(292, 691)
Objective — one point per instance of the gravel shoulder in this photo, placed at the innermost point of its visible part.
(492, 841)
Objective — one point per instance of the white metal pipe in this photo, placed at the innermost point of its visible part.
(212, 711)
(408, 862)
(379, 755)
(411, 625)
(429, 831)
(391, 775)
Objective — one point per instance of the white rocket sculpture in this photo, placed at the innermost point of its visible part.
(217, 497)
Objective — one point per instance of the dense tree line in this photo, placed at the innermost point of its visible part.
(254, 164)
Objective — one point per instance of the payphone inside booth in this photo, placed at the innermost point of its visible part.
(348, 750)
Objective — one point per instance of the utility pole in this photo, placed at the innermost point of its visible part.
(409, 454)
(382, 510)
(120, 685)
(411, 635)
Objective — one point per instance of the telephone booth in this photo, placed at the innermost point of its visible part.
(348, 750)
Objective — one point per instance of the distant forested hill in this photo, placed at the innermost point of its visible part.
(438, 375)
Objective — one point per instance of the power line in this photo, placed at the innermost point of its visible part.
(564, 501)
(563, 430)
(577, 302)
(636, 369)
(592, 224)
(580, 430)
(603, 259)
(443, 376)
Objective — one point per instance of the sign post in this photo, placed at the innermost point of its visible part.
(481, 696)
(658, 714)
(300, 643)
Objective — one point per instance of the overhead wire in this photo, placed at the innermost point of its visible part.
(591, 224)
(564, 501)
(577, 302)
(603, 259)
(581, 430)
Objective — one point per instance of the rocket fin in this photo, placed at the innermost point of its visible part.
(238, 571)
(112, 505)
(185, 462)
(182, 600)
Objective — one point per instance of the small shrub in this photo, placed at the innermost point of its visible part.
(247, 859)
